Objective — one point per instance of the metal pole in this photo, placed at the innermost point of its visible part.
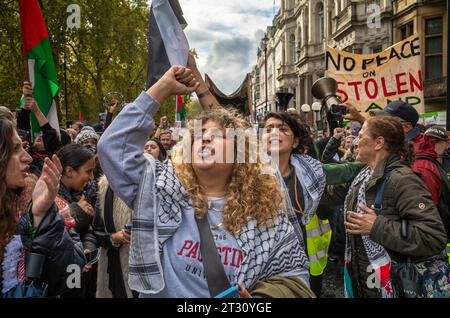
(65, 88)
(448, 68)
(265, 69)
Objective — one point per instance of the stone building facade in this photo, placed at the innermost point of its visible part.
(293, 49)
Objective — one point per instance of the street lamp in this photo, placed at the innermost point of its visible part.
(306, 108)
(316, 107)
(264, 41)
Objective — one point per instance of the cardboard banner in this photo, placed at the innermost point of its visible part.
(371, 81)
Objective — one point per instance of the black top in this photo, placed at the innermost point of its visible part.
(297, 205)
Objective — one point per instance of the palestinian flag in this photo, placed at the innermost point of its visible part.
(181, 109)
(167, 43)
(37, 51)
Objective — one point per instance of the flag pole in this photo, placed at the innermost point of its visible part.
(448, 72)
(27, 71)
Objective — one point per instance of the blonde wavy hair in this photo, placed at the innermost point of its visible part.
(251, 193)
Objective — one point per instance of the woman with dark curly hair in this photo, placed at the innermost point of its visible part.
(40, 232)
(305, 178)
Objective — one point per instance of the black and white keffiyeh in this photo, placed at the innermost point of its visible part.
(311, 175)
(158, 214)
(377, 254)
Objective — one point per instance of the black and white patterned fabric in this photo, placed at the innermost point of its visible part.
(377, 254)
(312, 177)
(158, 214)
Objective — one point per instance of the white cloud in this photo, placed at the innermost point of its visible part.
(226, 34)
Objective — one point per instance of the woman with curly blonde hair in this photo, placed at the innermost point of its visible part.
(250, 193)
(239, 204)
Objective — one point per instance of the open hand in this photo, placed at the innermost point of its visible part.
(46, 188)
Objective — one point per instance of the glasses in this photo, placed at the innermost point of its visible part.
(283, 129)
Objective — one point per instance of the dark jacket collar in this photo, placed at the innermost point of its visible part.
(68, 195)
(389, 163)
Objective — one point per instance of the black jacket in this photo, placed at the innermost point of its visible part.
(83, 224)
(49, 136)
(331, 149)
(61, 248)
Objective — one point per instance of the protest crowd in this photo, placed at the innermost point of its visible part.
(118, 200)
(134, 208)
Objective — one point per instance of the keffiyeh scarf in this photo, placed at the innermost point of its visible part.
(378, 257)
(13, 264)
(158, 214)
(311, 175)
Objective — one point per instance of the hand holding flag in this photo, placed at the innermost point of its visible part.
(30, 104)
(42, 72)
(29, 101)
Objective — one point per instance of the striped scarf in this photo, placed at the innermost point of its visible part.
(378, 257)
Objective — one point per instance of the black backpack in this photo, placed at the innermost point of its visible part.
(444, 203)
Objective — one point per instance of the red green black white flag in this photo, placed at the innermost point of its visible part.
(37, 50)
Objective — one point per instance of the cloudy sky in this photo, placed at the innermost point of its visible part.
(225, 34)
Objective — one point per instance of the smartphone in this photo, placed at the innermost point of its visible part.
(128, 226)
(229, 293)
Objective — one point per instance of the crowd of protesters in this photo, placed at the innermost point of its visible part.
(117, 200)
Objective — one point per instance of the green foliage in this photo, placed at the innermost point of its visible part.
(12, 64)
(107, 53)
(195, 109)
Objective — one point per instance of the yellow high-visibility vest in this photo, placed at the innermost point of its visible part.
(318, 239)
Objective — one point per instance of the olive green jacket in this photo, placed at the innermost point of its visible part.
(405, 197)
(281, 287)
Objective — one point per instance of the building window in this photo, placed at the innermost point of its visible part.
(294, 98)
(293, 48)
(433, 48)
(289, 4)
(370, 2)
(407, 30)
(299, 37)
(321, 21)
(377, 49)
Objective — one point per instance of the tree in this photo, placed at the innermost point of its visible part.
(195, 108)
(107, 53)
